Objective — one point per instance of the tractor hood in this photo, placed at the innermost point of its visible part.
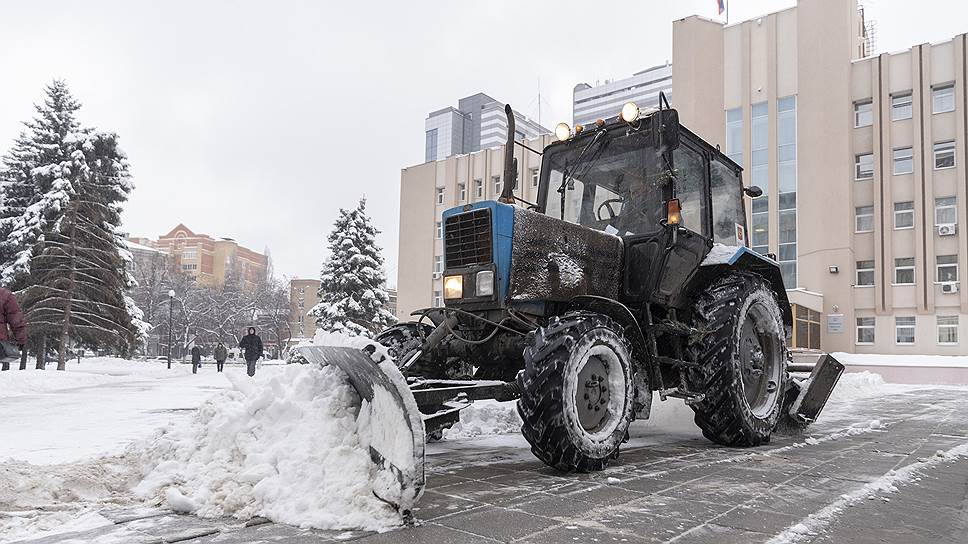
(533, 257)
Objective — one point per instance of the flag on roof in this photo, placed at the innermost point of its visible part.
(721, 4)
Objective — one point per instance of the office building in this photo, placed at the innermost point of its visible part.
(303, 296)
(601, 101)
(478, 122)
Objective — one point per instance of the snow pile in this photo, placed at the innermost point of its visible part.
(719, 254)
(484, 418)
(870, 359)
(14, 383)
(284, 447)
(857, 386)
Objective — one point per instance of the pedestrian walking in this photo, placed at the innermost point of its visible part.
(252, 345)
(221, 354)
(13, 330)
(196, 359)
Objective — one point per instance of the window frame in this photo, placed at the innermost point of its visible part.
(895, 107)
(898, 326)
(904, 268)
(858, 215)
(858, 112)
(462, 192)
(438, 264)
(858, 326)
(497, 185)
(535, 176)
(952, 149)
(479, 188)
(858, 271)
(439, 196)
(857, 166)
(909, 211)
(438, 230)
(939, 265)
(950, 87)
(438, 298)
(894, 160)
(948, 326)
(938, 208)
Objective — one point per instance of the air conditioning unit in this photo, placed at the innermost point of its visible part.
(949, 287)
(948, 229)
(436, 275)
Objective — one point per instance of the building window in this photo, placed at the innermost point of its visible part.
(534, 177)
(189, 254)
(438, 264)
(438, 230)
(865, 330)
(943, 98)
(864, 166)
(947, 268)
(440, 195)
(903, 161)
(760, 236)
(479, 188)
(430, 151)
(734, 135)
(901, 106)
(786, 146)
(948, 329)
(863, 114)
(903, 215)
(189, 266)
(865, 273)
(759, 145)
(806, 327)
(438, 299)
(944, 155)
(904, 329)
(904, 271)
(864, 219)
(496, 183)
(945, 211)
(462, 192)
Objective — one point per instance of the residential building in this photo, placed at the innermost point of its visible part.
(478, 122)
(862, 160)
(210, 260)
(601, 101)
(303, 296)
(392, 304)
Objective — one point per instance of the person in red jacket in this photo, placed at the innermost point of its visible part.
(13, 326)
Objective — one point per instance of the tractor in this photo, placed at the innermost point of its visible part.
(630, 276)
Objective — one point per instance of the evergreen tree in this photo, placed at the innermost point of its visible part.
(352, 293)
(66, 249)
(31, 185)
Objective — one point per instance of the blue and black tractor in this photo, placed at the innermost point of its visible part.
(630, 276)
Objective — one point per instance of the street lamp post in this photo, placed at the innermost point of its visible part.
(171, 312)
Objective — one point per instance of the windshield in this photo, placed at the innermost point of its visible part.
(615, 183)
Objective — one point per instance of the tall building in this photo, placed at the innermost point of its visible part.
(601, 101)
(477, 123)
(863, 165)
(209, 260)
(303, 296)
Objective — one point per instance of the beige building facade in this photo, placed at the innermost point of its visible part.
(862, 160)
(303, 296)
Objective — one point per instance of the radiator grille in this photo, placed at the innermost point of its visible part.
(467, 238)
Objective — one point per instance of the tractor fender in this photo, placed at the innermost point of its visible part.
(747, 259)
(621, 314)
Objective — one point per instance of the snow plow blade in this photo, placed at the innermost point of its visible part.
(389, 421)
(815, 390)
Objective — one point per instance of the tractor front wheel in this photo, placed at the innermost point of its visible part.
(577, 392)
(743, 356)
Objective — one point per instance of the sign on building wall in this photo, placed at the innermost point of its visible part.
(835, 323)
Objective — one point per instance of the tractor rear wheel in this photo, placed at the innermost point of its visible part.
(403, 339)
(743, 356)
(577, 392)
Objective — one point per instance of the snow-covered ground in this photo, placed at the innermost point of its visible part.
(77, 441)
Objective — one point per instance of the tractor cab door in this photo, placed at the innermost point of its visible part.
(658, 266)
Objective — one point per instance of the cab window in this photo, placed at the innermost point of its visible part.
(690, 168)
(729, 220)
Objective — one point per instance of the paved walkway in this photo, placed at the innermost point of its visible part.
(851, 481)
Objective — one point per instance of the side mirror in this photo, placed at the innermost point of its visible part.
(666, 129)
(753, 191)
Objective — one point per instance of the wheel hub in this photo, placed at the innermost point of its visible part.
(759, 362)
(592, 395)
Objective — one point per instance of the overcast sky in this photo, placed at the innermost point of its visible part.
(258, 120)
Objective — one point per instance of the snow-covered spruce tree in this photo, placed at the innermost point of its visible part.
(352, 293)
(30, 194)
(77, 284)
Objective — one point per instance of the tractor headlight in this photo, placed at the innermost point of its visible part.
(453, 287)
(485, 283)
(563, 131)
(630, 112)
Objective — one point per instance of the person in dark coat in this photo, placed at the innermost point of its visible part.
(13, 328)
(196, 359)
(252, 345)
(221, 354)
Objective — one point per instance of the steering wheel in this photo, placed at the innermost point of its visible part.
(608, 206)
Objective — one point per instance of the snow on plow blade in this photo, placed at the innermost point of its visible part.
(389, 422)
(815, 390)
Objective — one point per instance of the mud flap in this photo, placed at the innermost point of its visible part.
(815, 391)
(389, 419)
